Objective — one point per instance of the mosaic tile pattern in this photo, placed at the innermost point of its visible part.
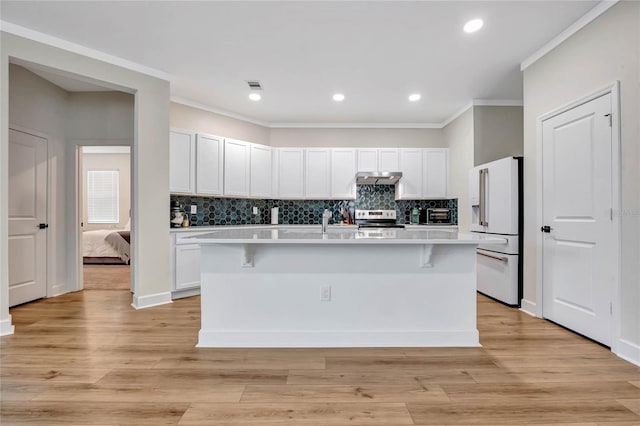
(238, 211)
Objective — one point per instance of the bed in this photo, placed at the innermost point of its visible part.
(106, 246)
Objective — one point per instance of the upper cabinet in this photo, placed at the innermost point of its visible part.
(237, 164)
(182, 154)
(436, 173)
(317, 173)
(260, 171)
(290, 173)
(410, 185)
(425, 173)
(377, 160)
(209, 164)
(343, 173)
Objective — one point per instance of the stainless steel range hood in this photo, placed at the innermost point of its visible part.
(378, 178)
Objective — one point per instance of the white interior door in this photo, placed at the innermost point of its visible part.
(579, 267)
(27, 211)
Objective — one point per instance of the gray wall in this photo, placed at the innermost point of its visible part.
(497, 133)
(198, 120)
(402, 138)
(604, 51)
(37, 105)
(459, 137)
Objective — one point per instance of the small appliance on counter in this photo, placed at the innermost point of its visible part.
(177, 216)
(436, 216)
(377, 219)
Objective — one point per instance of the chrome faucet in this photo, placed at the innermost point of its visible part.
(325, 220)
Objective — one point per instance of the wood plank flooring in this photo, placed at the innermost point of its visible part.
(88, 358)
(106, 277)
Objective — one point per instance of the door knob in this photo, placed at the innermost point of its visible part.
(546, 229)
(43, 225)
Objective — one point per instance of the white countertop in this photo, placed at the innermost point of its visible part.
(285, 226)
(312, 234)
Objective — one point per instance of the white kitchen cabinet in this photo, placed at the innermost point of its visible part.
(290, 173)
(367, 160)
(343, 173)
(435, 173)
(317, 173)
(182, 154)
(260, 171)
(411, 166)
(237, 155)
(185, 264)
(388, 160)
(209, 164)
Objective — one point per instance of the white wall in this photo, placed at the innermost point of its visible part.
(497, 133)
(198, 120)
(40, 106)
(402, 138)
(606, 50)
(150, 237)
(119, 162)
(459, 139)
(101, 116)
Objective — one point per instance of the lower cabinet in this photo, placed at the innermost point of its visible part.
(185, 265)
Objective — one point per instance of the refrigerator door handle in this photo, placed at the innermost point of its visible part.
(483, 197)
(500, 258)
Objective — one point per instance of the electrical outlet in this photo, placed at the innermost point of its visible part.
(255, 210)
(325, 293)
(194, 209)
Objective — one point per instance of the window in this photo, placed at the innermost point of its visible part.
(103, 196)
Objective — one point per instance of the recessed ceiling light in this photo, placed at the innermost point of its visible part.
(255, 96)
(473, 25)
(415, 97)
(338, 97)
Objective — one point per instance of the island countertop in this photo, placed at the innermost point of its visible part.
(308, 235)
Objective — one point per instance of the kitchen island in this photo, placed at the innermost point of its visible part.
(298, 287)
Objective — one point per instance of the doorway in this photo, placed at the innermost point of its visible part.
(104, 201)
(579, 233)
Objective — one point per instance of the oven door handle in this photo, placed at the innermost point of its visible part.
(500, 258)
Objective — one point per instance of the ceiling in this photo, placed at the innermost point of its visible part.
(375, 52)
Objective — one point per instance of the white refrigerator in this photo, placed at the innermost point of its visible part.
(496, 209)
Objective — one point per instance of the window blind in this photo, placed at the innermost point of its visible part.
(103, 196)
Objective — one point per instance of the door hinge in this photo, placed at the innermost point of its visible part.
(611, 214)
(610, 308)
(610, 119)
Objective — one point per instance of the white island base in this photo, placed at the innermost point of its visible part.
(380, 295)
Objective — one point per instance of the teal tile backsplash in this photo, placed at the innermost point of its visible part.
(238, 211)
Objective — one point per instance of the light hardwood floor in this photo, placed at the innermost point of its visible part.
(106, 277)
(89, 358)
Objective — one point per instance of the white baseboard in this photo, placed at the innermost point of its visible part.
(529, 307)
(141, 302)
(629, 351)
(179, 294)
(335, 339)
(6, 328)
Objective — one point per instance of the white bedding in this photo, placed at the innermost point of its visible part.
(94, 245)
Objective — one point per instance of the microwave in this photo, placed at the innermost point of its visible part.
(436, 216)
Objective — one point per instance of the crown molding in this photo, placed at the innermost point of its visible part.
(481, 102)
(587, 18)
(47, 39)
(355, 126)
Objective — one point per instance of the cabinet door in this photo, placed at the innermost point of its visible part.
(236, 167)
(436, 173)
(410, 185)
(343, 173)
(318, 173)
(291, 172)
(187, 267)
(368, 160)
(260, 171)
(181, 161)
(388, 160)
(209, 164)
